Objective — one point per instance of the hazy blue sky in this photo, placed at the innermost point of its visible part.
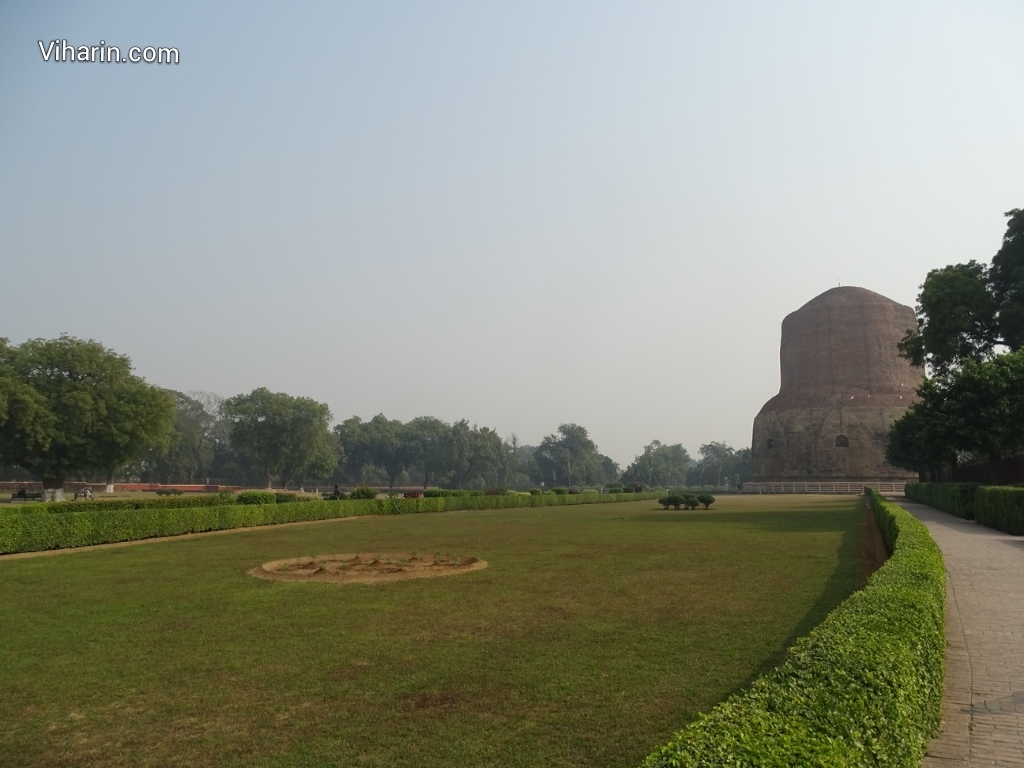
(517, 213)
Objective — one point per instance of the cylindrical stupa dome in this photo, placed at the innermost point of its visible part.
(843, 384)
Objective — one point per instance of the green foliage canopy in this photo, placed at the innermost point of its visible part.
(977, 408)
(280, 434)
(968, 311)
(659, 465)
(71, 407)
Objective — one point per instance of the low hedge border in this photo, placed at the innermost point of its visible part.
(37, 532)
(1000, 507)
(864, 688)
(954, 498)
(185, 501)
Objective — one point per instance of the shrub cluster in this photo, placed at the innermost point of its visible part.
(36, 532)
(688, 500)
(1000, 507)
(363, 492)
(863, 688)
(169, 491)
(954, 498)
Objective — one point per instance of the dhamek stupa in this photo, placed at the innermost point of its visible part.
(843, 385)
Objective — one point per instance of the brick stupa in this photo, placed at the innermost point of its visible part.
(843, 385)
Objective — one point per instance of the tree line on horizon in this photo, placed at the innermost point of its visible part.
(73, 410)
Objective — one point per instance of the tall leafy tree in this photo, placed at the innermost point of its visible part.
(970, 311)
(138, 417)
(427, 439)
(659, 464)
(569, 457)
(26, 423)
(1007, 278)
(89, 413)
(977, 408)
(277, 433)
(191, 450)
(388, 447)
(354, 445)
(474, 453)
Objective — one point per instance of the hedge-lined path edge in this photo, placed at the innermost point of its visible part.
(983, 698)
(180, 537)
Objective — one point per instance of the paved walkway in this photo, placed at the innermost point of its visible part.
(983, 705)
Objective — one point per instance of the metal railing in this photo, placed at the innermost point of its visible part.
(855, 488)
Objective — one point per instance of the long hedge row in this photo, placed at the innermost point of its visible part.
(185, 501)
(862, 689)
(1000, 507)
(20, 532)
(995, 506)
(954, 498)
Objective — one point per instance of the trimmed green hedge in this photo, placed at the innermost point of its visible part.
(21, 532)
(257, 497)
(864, 688)
(185, 501)
(954, 498)
(1000, 507)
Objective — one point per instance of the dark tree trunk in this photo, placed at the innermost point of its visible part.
(995, 466)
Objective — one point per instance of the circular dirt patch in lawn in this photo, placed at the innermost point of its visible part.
(361, 568)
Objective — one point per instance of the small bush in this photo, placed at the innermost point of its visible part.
(671, 501)
(497, 492)
(256, 497)
(412, 494)
(706, 499)
(363, 492)
(285, 498)
(169, 491)
(690, 501)
(535, 491)
(560, 491)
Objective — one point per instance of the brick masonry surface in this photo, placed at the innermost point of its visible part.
(983, 705)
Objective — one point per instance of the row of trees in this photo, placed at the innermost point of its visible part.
(970, 335)
(671, 466)
(72, 409)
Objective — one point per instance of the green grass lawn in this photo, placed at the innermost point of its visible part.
(594, 634)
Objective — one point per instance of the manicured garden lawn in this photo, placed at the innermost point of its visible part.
(595, 633)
